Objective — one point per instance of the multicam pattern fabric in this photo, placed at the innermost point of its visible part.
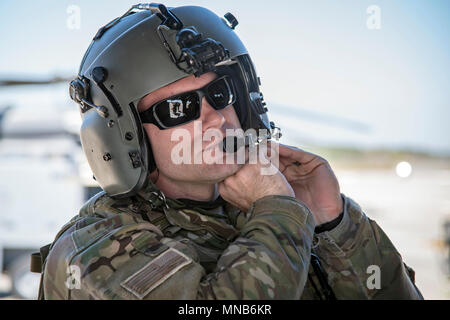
(114, 249)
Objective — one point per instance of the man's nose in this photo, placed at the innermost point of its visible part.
(211, 118)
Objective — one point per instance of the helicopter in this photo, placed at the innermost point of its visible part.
(44, 178)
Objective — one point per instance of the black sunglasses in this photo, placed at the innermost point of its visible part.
(186, 107)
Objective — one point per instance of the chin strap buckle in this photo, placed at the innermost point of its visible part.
(158, 199)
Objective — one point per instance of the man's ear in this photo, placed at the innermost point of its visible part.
(141, 105)
(151, 159)
(154, 176)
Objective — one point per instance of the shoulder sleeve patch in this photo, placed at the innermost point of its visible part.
(155, 272)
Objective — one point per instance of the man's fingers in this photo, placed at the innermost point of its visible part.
(228, 194)
(294, 154)
(297, 171)
(287, 161)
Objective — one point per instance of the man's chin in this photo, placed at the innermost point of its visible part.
(216, 173)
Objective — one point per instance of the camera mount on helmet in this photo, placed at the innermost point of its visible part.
(201, 56)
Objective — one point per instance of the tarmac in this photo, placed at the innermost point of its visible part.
(412, 212)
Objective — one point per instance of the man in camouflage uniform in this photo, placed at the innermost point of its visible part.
(289, 235)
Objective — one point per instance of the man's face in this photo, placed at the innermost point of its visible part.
(210, 119)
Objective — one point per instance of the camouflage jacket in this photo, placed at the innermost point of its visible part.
(149, 247)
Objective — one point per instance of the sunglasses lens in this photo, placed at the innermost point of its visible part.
(179, 110)
(220, 93)
(185, 107)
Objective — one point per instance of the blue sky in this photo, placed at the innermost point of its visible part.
(316, 56)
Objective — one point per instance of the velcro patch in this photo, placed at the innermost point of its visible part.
(155, 272)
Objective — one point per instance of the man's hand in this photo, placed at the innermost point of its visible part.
(313, 182)
(248, 185)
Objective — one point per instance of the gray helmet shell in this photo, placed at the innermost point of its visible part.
(130, 60)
